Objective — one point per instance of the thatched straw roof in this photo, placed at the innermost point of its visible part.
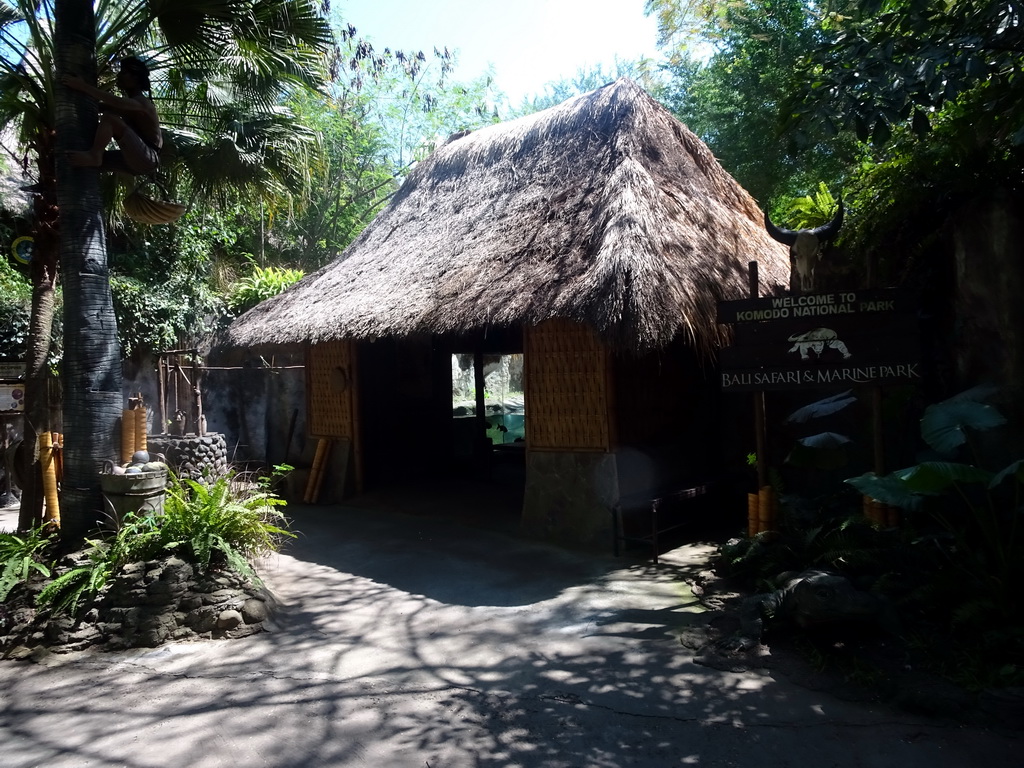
(604, 209)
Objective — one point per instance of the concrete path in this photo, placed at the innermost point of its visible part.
(407, 641)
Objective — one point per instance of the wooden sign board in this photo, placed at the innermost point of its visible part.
(12, 371)
(797, 377)
(821, 340)
(815, 306)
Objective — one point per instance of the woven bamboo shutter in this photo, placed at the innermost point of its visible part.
(330, 389)
(567, 388)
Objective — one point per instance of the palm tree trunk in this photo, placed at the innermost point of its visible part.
(37, 406)
(44, 276)
(92, 356)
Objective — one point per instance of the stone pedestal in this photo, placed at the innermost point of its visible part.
(192, 456)
(569, 498)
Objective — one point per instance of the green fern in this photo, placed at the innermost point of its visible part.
(66, 592)
(260, 285)
(227, 523)
(227, 520)
(812, 211)
(19, 556)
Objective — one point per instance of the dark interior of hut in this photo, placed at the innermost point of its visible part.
(442, 423)
(433, 436)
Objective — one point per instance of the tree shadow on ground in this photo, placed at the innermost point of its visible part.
(372, 666)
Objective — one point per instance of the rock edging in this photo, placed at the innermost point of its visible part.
(145, 605)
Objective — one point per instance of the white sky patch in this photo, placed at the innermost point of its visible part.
(529, 43)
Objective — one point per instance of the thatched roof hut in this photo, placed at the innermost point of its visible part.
(590, 241)
(604, 210)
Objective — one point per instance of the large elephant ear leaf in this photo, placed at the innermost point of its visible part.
(1014, 470)
(934, 477)
(888, 489)
(826, 450)
(943, 424)
(819, 408)
(825, 440)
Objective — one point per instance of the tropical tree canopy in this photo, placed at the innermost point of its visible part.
(733, 88)
(220, 73)
(885, 64)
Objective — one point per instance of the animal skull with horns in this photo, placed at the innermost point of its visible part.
(805, 247)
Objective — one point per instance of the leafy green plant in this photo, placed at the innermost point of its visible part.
(153, 315)
(138, 538)
(812, 210)
(229, 521)
(977, 510)
(68, 590)
(20, 557)
(824, 449)
(261, 284)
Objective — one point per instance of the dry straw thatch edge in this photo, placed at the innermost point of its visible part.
(605, 210)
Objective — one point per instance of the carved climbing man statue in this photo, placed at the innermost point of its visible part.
(130, 120)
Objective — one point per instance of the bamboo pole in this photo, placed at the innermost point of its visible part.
(322, 473)
(127, 435)
(57, 449)
(141, 442)
(197, 397)
(764, 509)
(318, 461)
(174, 371)
(753, 523)
(52, 511)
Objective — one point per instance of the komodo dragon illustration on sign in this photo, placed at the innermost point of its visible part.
(817, 341)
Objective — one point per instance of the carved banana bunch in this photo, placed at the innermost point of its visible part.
(146, 210)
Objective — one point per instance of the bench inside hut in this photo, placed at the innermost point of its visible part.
(661, 503)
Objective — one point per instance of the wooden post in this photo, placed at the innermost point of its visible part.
(316, 471)
(174, 370)
(8, 489)
(57, 447)
(765, 509)
(197, 395)
(291, 434)
(161, 396)
(876, 424)
(481, 405)
(357, 421)
(759, 428)
(319, 484)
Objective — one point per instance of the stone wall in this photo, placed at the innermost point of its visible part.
(988, 338)
(193, 456)
(258, 403)
(569, 498)
(145, 605)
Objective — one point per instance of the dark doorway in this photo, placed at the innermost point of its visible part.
(424, 446)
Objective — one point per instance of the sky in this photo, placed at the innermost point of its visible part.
(528, 42)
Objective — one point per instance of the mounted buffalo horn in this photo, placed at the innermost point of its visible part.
(805, 246)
